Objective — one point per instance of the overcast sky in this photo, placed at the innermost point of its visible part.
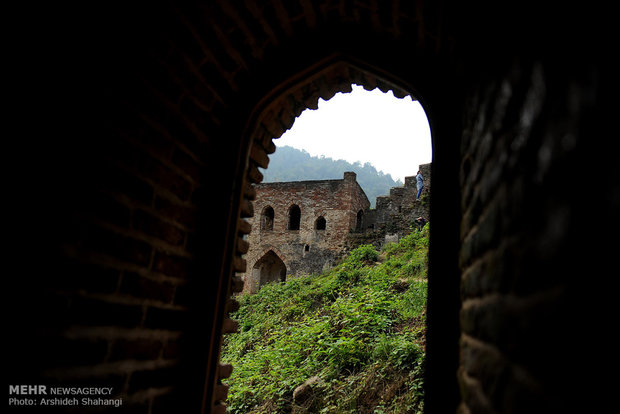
(392, 134)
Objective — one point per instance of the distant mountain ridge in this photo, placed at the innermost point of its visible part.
(291, 164)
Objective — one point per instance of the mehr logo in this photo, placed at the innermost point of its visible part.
(28, 389)
(42, 395)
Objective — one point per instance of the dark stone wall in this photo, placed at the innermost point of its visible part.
(525, 250)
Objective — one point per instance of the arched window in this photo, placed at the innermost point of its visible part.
(294, 217)
(266, 218)
(320, 223)
(358, 221)
(269, 268)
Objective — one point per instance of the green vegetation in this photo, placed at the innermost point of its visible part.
(290, 164)
(359, 328)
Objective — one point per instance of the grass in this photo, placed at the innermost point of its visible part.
(359, 328)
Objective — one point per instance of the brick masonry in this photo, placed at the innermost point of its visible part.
(396, 212)
(348, 222)
(305, 249)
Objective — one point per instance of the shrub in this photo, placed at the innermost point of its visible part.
(363, 255)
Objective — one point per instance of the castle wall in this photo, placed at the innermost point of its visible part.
(395, 214)
(349, 222)
(307, 249)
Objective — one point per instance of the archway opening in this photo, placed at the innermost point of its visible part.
(360, 221)
(269, 268)
(320, 223)
(267, 217)
(372, 131)
(294, 217)
(359, 218)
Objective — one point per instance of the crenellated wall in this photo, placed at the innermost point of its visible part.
(395, 213)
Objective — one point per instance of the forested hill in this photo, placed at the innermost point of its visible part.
(290, 164)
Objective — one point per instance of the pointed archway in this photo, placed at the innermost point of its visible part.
(276, 112)
(269, 268)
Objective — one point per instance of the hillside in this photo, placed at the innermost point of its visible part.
(355, 335)
(290, 164)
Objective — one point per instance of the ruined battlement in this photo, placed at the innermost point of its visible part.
(395, 212)
(304, 227)
(300, 227)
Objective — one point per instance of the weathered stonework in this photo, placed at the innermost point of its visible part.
(396, 212)
(283, 241)
(304, 227)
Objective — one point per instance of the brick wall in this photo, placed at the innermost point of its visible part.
(119, 229)
(396, 212)
(306, 250)
(523, 251)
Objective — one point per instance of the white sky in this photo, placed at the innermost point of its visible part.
(392, 134)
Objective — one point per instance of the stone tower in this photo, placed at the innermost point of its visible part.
(300, 227)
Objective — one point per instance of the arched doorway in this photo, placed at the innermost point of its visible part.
(267, 269)
(276, 112)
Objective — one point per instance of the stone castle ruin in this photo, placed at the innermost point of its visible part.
(304, 227)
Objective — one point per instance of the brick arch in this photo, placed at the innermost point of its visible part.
(359, 221)
(293, 217)
(320, 222)
(267, 217)
(268, 268)
(177, 88)
(252, 285)
(313, 68)
(273, 249)
(276, 112)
